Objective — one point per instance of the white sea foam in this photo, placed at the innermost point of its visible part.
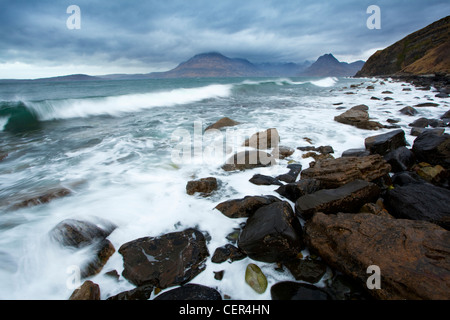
(326, 82)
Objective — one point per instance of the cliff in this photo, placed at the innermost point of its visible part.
(423, 52)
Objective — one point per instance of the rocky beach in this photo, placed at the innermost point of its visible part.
(321, 224)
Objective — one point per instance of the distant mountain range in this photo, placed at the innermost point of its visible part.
(328, 66)
(426, 51)
(214, 64)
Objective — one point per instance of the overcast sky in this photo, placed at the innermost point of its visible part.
(131, 36)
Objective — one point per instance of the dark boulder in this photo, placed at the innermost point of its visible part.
(293, 191)
(420, 201)
(384, 143)
(203, 186)
(307, 270)
(262, 180)
(427, 104)
(358, 117)
(361, 152)
(420, 123)
(409, 111)
(88, 291)
(400, 159)
(289, 290)
(292, 175)
(272, 234)
(244, 208)
(227, 253)
(42, 198)
(418, 131)
(433, 148)
(348, 198)
(333, 173)
(246, 160)
(169, 260)
(191, 292)
(413, 256)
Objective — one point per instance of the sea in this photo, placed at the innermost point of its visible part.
(127, 148)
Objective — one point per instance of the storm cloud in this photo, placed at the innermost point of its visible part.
(145, 36)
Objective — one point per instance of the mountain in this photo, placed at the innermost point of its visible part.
(72, 77)
(211, 64)
(328, 66)
(425, 51)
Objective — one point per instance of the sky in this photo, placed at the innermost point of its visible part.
(131, 36)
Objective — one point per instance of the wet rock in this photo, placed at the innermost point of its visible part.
(255, 278)
(434, 123)
(334, 173)
(413, 256)
(400, 159)
(264, 140)
(249, 160)
(246, 207)
(227, 253)
(409, 111)
(385, 143)
(427, 104)
(420, 201)
(222, 123)
(406, 177)
(80, 234)
(433, 148)
(288, 290)
(283, 152)
(191, 292)
(272, 234)
(140, 293)
(262, 180)
(307, 270)
(418, 131)
(342, 287)
(43, 198)
(204, 186)
(292, 175)
(362, 152)
(3, 155)
(358, 117)
(165, 261)
(348, 198)
(446, 115)
(293, 191)
(420, 123)
(88, 291)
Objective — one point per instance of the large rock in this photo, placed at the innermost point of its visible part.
(222, 123)
(348, 198)
(333, 173)
(385, 143)
(295, 190)
(272, 234)
(244, 208)
(165, 261)
(264, 139)
(413, 256)
(400, 159)
(433, 148)
(204, 186)
(249, 160)
(358, 117)
(420, 201)
(292, 175)
(88, 291)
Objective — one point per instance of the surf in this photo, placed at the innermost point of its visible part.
(27, 115)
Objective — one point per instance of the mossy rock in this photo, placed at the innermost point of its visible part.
(255, 278)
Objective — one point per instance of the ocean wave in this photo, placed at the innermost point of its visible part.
(326, 82)
(22, 115)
